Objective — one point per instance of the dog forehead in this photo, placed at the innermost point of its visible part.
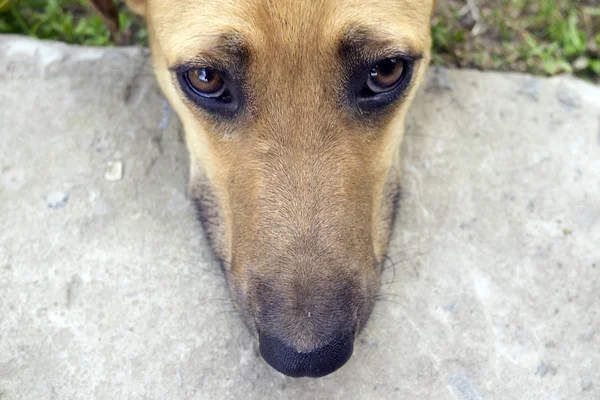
(185, 28)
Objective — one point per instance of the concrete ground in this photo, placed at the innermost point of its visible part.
(108, 289)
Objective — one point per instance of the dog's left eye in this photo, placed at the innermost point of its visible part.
(375, 86)
(205, 82)
(385, 75)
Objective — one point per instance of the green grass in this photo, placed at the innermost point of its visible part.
(544, 37)
(71, 21)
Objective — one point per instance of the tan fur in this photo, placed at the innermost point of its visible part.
(297, 193)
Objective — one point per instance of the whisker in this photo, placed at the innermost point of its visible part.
(244, 336)
(393, 266)
(225, 312)
(389, 301)
(382, 295)
(226, 300)
(418, 250)
(210, 271)
(420, 135)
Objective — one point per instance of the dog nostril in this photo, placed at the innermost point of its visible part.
(316, 363)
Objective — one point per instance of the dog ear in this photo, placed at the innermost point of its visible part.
(109, 12)
(137, 6)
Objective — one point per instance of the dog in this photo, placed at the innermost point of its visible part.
(293, 112)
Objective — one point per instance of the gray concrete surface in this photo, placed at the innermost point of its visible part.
(108, 289)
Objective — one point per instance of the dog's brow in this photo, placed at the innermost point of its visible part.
(371, 44)
(226, 51)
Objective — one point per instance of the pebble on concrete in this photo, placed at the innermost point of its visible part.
(114, 171)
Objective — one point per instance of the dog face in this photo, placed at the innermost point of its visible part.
(293, 112)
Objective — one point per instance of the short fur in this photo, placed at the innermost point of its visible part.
(297, 192)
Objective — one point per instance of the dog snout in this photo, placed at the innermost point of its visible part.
(315, 363)
(306, 327)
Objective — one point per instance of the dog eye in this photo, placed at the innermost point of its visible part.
(385, 75)
(205, 82)
(374, 86)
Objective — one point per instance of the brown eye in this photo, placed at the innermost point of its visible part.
(206, 82)
(385, 75)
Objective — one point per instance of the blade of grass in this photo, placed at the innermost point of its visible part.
(19, 19)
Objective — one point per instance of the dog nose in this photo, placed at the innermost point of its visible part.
(316, 363)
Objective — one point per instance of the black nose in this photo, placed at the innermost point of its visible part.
(316, 363)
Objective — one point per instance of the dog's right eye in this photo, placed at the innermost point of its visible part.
(375, 86)
(205, 82)
(210, 90)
